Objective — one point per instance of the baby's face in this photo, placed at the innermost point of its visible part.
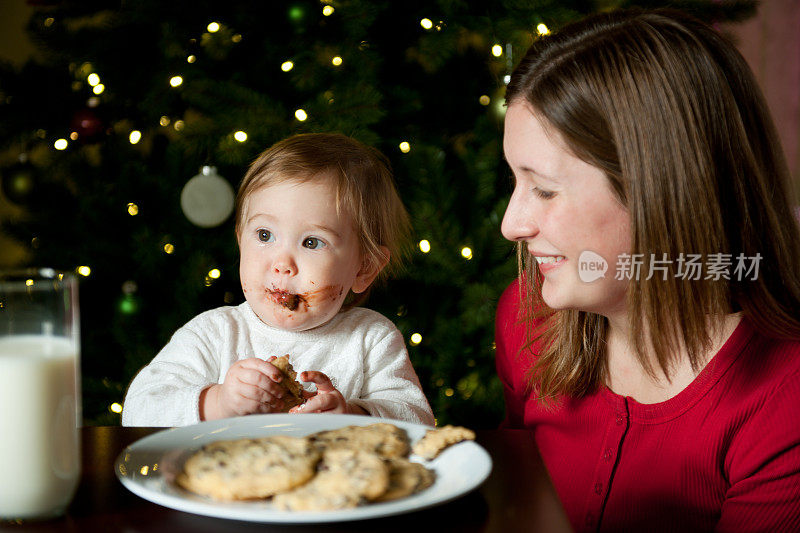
(299, 258)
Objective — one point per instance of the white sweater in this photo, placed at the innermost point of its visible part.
(360, 350)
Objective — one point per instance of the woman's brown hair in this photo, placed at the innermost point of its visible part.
(672, 114)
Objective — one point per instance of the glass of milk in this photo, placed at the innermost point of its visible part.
(40, 401)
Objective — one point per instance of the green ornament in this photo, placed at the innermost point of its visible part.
(128, 304)
(18, 183)
(296, 13)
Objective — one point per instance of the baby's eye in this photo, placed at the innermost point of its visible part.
(265, 235)
(313, 243)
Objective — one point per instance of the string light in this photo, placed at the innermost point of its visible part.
(425, 246)
(497, 50)
(73, 136)
(164, 121)
(499, 108)
(236, 38)
(336, 61)
(128, 304)
(60, 144)
(426, 23)
(214, 273)
(296, 13)
(115, 408)
(29, 283)
(213, 27)
(506, 79)
(484, 99)
(135, 136)
(93, 79)
(240, 136)
(448, 392)
(84, 271)
(99, 88)
(405, 147)
(416, 338)
(328, 11)
(169, 248)
(133, 209)
(49, 22)
(286, 66)
(466, 253)
(175, 81)
(542, 29)
(191, 59)
(300, 115)
(178, 125)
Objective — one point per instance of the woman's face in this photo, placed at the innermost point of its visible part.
(564, 212)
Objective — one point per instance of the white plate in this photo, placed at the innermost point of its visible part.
(148, 467)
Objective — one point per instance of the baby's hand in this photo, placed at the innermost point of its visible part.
(250, 386)
(326, 400)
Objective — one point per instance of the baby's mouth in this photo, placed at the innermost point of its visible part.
(287, 299)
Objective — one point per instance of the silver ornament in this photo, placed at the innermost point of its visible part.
(207, 198)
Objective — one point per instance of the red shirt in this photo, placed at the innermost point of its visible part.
(724, 454)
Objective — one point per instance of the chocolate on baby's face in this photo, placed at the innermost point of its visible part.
(301, 302)
(299, 257)
(287, 299)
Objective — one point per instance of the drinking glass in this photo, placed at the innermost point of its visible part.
(40, 401)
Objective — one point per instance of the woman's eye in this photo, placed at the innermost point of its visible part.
(544, 195)
(313, 243)
(265, 235)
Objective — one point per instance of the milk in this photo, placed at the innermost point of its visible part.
(39, 441)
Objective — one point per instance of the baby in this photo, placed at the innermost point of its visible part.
(318, 219)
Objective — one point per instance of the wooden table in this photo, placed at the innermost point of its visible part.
(517, 497)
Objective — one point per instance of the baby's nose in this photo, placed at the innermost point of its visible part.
(284, 267)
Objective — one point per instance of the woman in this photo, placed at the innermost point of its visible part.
(652, 341)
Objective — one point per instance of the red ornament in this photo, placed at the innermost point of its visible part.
(87, 125)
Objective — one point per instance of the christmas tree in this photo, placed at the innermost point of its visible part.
(102, 134)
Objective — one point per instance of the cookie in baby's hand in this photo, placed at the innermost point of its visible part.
(289, 383)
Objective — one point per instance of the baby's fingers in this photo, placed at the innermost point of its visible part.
(322, 381)
(254, 378)
(264, 367)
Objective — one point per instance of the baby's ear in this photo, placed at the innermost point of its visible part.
(369, 271)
